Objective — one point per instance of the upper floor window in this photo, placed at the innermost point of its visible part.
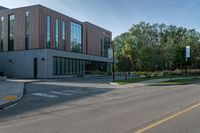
(2, 33)
(76, 37)
(27, 30)
(11, 20)
(63, 34)
(48, 45)
(106, 44)
(57, 34)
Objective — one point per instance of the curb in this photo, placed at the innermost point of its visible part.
(11, 103)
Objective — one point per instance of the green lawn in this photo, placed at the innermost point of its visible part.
(133, 80)
(178, 81)
(175, 80)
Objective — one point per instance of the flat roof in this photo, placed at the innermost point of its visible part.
(3, 8)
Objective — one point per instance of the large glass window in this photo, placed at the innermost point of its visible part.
(27, 30)
(106, 44)
(76, 37)
(94, 67)
(102, 47)
(63, 34)
(48, 32)
(65, 66)
(55, 65)
(58, 66)
(70, 66)
(11, 20)
(57, 34)
(2, 33)
(73, 66)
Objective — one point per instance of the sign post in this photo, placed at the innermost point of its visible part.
(187, 52)
(187, 56)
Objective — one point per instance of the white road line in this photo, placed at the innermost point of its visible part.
(75, 91)
(44, 95)
(60, 93)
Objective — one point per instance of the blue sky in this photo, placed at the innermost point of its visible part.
(118, 15)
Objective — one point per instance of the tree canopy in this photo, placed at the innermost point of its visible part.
(151, 47)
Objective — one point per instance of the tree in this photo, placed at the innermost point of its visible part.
(153, 47)
(124, 64)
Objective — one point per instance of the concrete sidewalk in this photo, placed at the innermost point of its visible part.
(10, 93)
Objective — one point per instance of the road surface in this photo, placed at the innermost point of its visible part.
(95, 106)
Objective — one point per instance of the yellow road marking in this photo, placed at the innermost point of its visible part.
(167, 118)
(10, 97)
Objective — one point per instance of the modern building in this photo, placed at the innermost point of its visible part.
(37, 42)
(3, 8)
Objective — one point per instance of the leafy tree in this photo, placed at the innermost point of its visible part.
(151, 47)
(124, 64)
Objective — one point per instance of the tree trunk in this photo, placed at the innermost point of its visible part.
(125, 75)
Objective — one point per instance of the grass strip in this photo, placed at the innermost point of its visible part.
(178, 81)
(133, 80)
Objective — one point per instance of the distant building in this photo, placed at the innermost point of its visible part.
(37, 42)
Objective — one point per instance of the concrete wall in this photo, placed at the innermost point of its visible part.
(19, 64)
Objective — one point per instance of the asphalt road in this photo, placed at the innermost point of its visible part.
(94, 106)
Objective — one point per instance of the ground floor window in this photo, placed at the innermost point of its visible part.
(69, 66)
(94, 67)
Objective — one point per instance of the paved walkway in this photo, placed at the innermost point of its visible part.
(10, 92)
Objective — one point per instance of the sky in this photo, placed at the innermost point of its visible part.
(119, 15)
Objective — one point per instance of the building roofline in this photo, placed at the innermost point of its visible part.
(60, 13)
(3, 8)
(20, 7)
(86, 22)
(42, 6)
